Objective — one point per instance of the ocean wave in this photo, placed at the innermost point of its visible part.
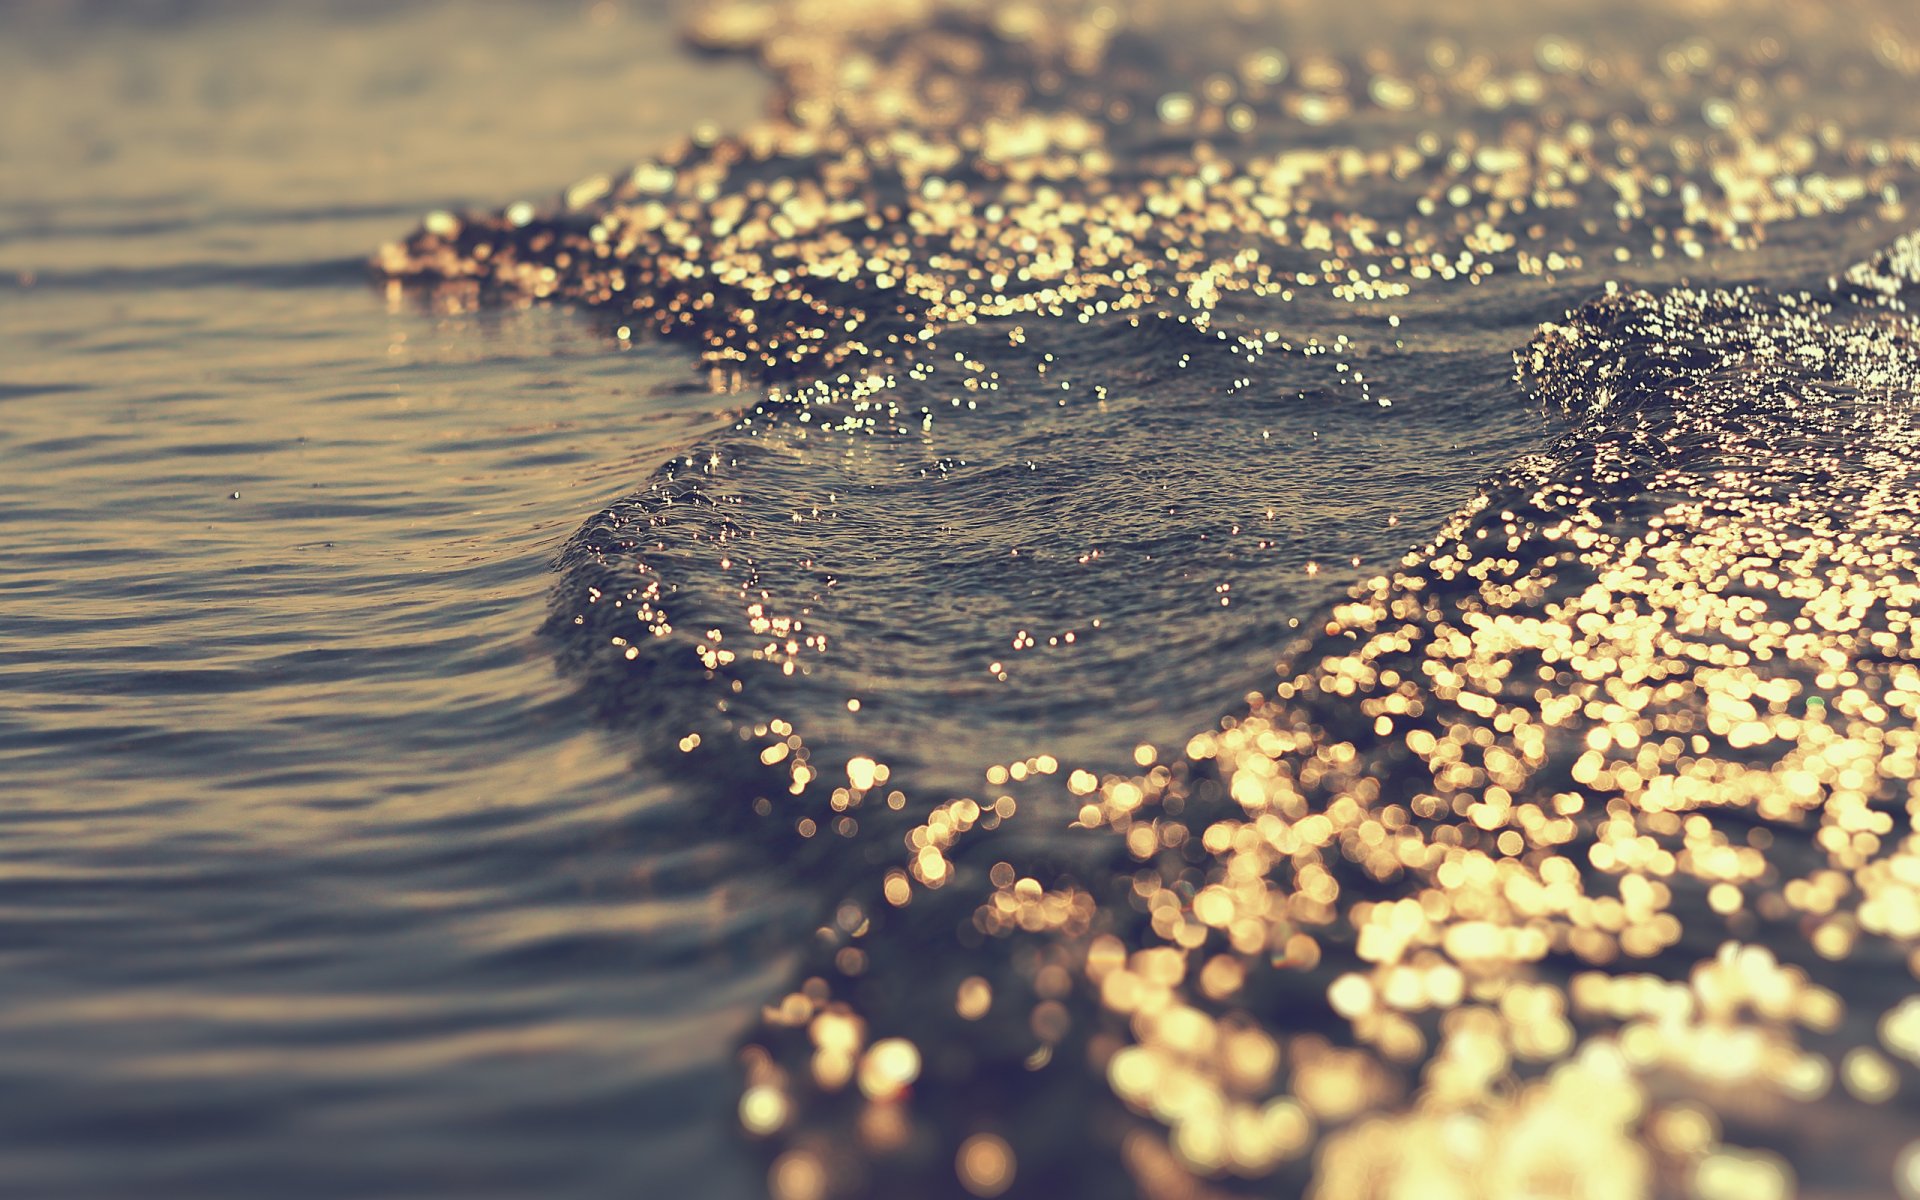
(1573, 851)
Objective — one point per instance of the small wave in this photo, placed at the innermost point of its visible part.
(1563, 840)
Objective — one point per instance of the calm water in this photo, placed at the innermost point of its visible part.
(446, 739)
(317, 879)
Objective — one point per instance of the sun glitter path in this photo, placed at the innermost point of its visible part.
(1658, 878)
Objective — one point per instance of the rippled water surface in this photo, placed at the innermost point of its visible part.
(758, 673)
(317, 879)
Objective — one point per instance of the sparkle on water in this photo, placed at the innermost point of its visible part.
(1571, 855)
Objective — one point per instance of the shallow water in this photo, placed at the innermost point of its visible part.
(321, 879)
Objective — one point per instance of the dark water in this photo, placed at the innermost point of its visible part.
(317, 879)
(947, 451)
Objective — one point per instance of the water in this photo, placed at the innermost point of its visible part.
(318, 878)
(916, 788)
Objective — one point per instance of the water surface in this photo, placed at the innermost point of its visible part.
(759, 671)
